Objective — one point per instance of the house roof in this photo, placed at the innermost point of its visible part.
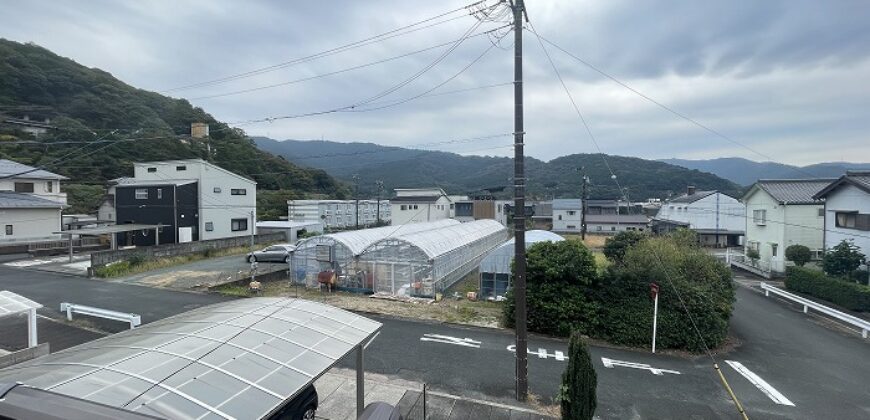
(691, 198)
(132, 182)
(12, 169)
(860, 179)
(791, 191)
(617, 218)
(416, 199)
(567, 204)
(15, 200)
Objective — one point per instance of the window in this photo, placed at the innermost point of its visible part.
(773, 248)
(759, 217)
(571, 212)
(853, 220)
(415, 207)
(49, 186)
(141, 193)
(152, 170)
(24, 187)
(209, 226)
(560, 217)
(451, 207)
(822, 212)
(499, 207)
(217, 190)
(160, 193)
(238, 225)
(572, 226)
(8, 230)
(238, 191)
(181, 168)
(613, 228)
(598, 228)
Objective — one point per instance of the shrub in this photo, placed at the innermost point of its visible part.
(137, 259)
(798, 254)
(119, 268)
(752, 254)
(615, 246)
(579, 382)
(558, 278)
(849, 295)
(843, 260)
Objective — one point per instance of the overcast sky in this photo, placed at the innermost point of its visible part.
(789, 79)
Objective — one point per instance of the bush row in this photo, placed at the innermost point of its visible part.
(844, 293)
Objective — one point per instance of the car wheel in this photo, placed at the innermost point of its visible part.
(309, 412)
(287, 259)
(252, 259)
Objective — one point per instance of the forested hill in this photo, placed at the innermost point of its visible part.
(400, 167)
(88, 105)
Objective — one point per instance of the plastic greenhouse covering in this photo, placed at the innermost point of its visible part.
(428, 262)
(495, 269)
(338, 252)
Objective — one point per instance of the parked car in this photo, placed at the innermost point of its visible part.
(274, 253)
(303, 407)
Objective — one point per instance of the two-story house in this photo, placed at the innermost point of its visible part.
(193, 200)
(783, 212)
(415, 205)
(566, 214)
(339, 214)
(847, 210)
(30, 203)
(717, 218)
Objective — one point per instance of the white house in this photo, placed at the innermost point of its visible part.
(566, 214)
(780, 213)
(847, 210)
(292, 230)
(30, 203)
(611, 224)
(339, 214)
(719, 219)
(415, 205)
(193, 199)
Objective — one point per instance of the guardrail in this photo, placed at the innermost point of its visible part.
(134, 319)
(864, 325)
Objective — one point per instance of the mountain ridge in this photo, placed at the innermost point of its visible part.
(745, 172)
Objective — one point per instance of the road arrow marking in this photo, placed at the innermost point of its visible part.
(541, 353)
(759, 383)
(446, 339)
(610, 363)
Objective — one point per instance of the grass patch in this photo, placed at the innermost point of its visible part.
(139, 264)
(591, 241)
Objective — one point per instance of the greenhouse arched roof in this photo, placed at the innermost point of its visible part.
(436, 242)
(359, 240)
(499, 260)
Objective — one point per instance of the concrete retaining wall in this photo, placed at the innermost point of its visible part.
(101, 258)
(23, 355)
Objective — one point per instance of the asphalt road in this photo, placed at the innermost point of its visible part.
(821, 370)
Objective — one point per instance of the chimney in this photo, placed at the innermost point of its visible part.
(690, 190)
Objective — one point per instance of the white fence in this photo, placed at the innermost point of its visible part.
(864, 325)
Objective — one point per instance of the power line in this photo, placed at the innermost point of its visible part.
(377, 38)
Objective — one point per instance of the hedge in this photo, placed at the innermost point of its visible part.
(844, 293)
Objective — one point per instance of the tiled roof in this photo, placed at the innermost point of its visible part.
(860, 179)
(11, 169)
(794, 191)
(686, 198)
(14, 200)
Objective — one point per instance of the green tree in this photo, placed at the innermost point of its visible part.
(798, 254)
(579, 382)
(559, 280)
(616, 245)
(753, 255)
(843, 260)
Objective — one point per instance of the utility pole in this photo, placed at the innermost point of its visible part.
(380, 186)
(519, 209)
(583, 204)
(356, 197)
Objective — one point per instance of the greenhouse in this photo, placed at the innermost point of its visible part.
(428, 262)
(337, 252)
(495, 269)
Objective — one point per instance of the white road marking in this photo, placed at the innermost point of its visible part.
(610, 363)
(759, 383)
(541, 353)
(446, 339)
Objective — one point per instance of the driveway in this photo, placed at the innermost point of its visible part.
(203, 273)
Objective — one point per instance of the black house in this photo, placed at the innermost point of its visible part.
(173, 204)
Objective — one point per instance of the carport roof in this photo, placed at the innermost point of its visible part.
(239, 359)
(13, 303)
(104, 230)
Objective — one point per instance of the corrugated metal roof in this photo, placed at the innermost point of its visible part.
(686, 198)
(617, 218)
(499, 260)
(567, 204)
(14, 200)
(794, 191)
(440, 241)
(12, 169)
(240, 359)
(359, 240)
(416, 199)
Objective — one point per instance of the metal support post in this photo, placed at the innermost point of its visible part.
(70, 238)
(32, 339)
(360, 381)
(655, 319)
